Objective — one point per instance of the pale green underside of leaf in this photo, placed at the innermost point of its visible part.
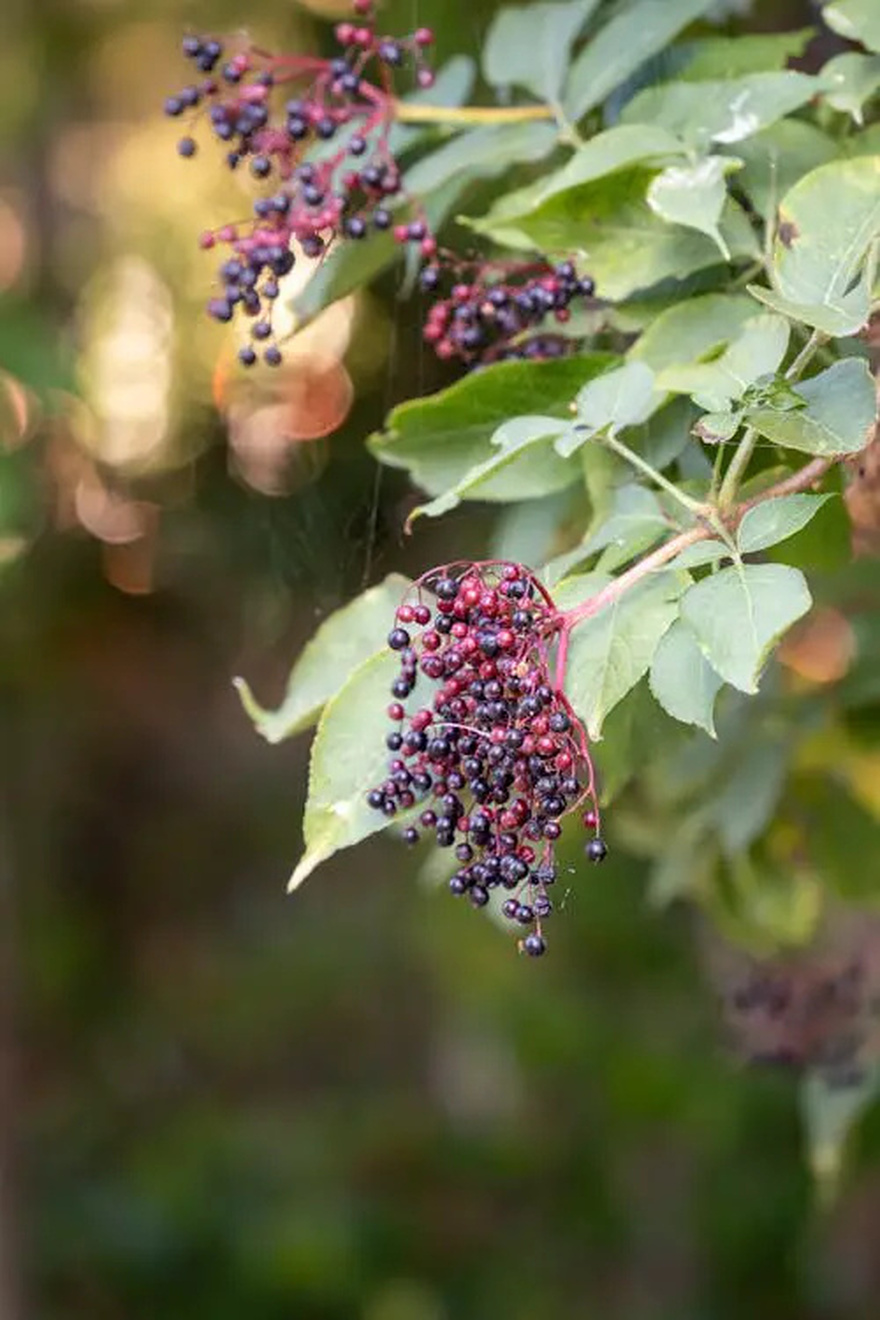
(682, 679)
(776, 519)
(343, 641)
(349, 757)
(757, 350)
(839, 416)
(738, 614)
(827, 222)
(694, 196)
(725, 111)
(850, 81)
(691, 330)
(481, 153)
(611, 651)
(624, 397)
(440, 438)
(845, 316)
(530, 452)
(625, 246)
(857, 20)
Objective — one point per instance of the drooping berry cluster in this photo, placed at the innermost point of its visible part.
(319, 191)
(493, 317)
(494, 756)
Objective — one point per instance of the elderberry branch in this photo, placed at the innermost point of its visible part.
(807, 477)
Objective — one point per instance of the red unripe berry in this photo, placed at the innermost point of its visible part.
(528, 746)
(395, 711)
(459, 630)
(421, 614)
(432, 333)
(444, 606)
(471, 596)
(206, 240)
(591, 820)
(428, 247)
(488, 669)
(545, 746)
(445, 349)
(431, 640)
(461, 292)
(401, 233)
(563, 314)
(526, 854)
(406, 614)
(506, 639)
(344, 33)
(362, 6)
(564, 761)
(362, 36)
(508, 820)
(421, 720)
(468, 645)
(423, 36)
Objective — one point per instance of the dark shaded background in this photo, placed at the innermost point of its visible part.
(357, 1104)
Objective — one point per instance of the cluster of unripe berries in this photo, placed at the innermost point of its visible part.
(489, 762)
(323, 153)
(493, 319)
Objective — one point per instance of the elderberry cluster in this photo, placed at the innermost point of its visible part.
(494, 755)
(323, 153)
(488, 320)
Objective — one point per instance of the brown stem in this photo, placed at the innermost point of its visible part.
(798, 481)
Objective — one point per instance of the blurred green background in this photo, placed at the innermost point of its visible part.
(357, 1104)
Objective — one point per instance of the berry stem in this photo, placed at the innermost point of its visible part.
(408, 112)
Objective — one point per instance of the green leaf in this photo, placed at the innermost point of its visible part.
(636, 521)
(733, 57)
(626, 246)
(694, 196)
(440, 438)
(838, 418)
(757, 351)
(739, 614)
(617, 148)
(523, 437)
(342, 642)
(613, 400)
(831, 1107)
(724, 111)
(827, 222)
(481, 153)
(857, 20)
(716, 427)
(845, 317)
(630, 38)
(692, 329)
(349, 757)
(700, 554)
(851, 81)
(776, 519)
(683, 681)
(530, 46)
(776, 158)
(613, 649)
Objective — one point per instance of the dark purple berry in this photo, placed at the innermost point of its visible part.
(534, 945)
(596, 850)
(398, 639)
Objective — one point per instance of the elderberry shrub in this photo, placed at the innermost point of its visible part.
(492, 317)
(272, 113)
(495, 755)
